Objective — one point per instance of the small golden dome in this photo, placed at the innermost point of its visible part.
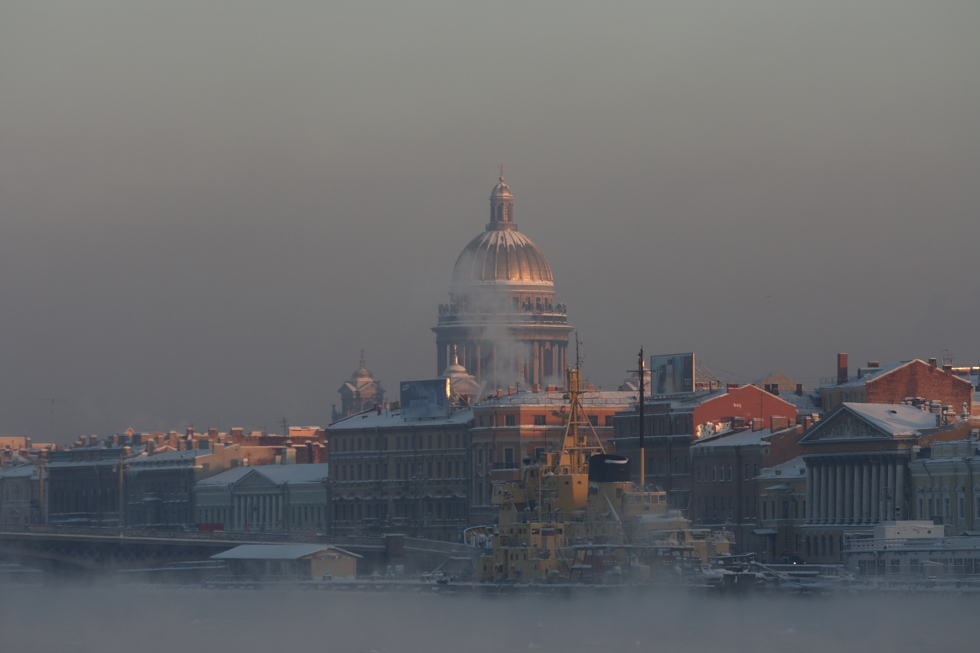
(501, 189)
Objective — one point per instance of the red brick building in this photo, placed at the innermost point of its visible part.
(893, 384)
(672, 424)
(725, 468)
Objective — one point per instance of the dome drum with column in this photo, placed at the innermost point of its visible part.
(501, 316)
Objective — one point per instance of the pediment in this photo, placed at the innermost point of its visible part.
(845, 426)
(254, 479)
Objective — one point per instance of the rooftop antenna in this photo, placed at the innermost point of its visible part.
(53, 401)
(947, 357)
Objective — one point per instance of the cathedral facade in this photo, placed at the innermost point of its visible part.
(502, 319)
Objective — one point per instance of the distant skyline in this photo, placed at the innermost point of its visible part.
(207, 210)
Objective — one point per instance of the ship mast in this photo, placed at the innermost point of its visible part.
(576, 449)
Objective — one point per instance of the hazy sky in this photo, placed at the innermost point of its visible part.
(208, 209)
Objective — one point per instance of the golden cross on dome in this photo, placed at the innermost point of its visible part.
(501, 172)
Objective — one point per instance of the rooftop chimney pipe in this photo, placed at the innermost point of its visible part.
(841, 369)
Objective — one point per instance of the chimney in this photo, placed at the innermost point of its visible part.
(757, 424)
(377, 409)
(932, 362)
(590, 388)
(212, 433)
(500, 393)
(536, 387)
(731, 386)
(842, 369)
(874, 364)
(190, 431)
(510, 390)
(948, 369)
(150, 446)
(799, 389)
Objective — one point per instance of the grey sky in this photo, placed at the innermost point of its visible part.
(206, 211)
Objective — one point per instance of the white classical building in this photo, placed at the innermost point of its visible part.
(946, 485)
(265, 498)
(857, 461)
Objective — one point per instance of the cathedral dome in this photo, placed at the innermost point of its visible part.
(502, 256)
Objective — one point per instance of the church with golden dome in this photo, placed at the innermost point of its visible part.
(501, 319)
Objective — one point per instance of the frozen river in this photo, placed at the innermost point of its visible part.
(165, 619)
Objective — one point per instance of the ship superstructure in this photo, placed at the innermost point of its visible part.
(576, 515)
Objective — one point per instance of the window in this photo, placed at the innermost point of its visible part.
(508, 455)
(609, 420)
(509, 420)
(539, 420)
(594, 420)
(729, 472)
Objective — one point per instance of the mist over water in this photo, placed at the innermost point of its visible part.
(153, 619)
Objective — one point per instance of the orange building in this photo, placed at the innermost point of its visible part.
(510, 429)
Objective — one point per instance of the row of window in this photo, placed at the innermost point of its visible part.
(714, 508)
(539, 420)
(943, 566)
(433, 509)
(402, 471)
(941, 508)
(401, 442)
(714, 473)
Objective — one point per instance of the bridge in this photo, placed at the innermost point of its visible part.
(70, 550)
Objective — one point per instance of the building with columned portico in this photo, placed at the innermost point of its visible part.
(857, 461)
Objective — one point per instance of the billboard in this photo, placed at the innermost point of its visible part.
(671, 373)
(426, 398)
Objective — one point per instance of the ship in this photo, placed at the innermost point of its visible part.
(574, 515)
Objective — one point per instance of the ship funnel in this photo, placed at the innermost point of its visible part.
(609, 468)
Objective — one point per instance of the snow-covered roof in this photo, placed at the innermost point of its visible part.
(788, 470)
(866, 375)
(276, 552)
(227, 477)
(736, 439)
(20, 471)
(804, 404)
(393, 418)
(170, 458)
(277, 474)
(895, 419)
